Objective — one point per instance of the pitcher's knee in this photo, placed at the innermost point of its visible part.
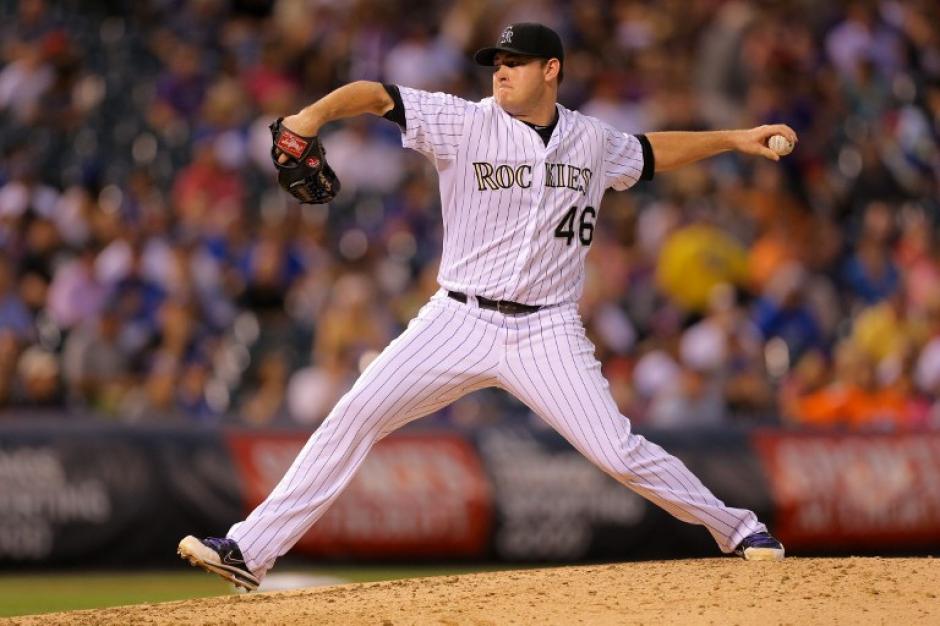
(624, 459)
(612, 462)
(368, 411)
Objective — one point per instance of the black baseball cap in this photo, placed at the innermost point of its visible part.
(528, 38)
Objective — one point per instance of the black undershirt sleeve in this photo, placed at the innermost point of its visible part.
(397, 113)
(649, 159)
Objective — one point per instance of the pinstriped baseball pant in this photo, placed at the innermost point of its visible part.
(447, 351)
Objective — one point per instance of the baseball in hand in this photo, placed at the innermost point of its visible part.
(780, 144)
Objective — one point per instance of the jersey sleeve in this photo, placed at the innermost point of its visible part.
(434, 122)
(624, 162)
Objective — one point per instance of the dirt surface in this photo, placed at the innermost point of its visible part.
(707, 591)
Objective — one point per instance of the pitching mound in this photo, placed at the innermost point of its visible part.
(708, 591)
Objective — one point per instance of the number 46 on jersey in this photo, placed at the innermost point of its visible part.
(566, 227)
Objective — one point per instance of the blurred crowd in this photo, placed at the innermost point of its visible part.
(151, 269)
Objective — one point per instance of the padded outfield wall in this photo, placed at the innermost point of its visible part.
(76, 494)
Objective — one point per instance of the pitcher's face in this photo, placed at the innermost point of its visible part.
(520, 83)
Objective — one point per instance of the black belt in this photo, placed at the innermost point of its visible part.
(506, 307)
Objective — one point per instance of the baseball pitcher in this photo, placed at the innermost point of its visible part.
(521, 179)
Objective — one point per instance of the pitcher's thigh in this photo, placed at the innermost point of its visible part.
(443, 354)
(555, 373)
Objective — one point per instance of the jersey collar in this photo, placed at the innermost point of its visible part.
(560, 128)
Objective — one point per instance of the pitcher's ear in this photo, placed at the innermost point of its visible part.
(552, 69)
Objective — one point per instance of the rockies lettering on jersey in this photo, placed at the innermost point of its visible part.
(507, 198)
(494, 177)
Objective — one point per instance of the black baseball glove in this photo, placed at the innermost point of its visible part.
(305, 174)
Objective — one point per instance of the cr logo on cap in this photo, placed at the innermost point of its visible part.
(506, 37)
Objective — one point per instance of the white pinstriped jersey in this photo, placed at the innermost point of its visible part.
(518, 215)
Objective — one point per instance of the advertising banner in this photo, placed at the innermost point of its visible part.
(414, 495)
(104, 495)
(552, 504)
(854, 490)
